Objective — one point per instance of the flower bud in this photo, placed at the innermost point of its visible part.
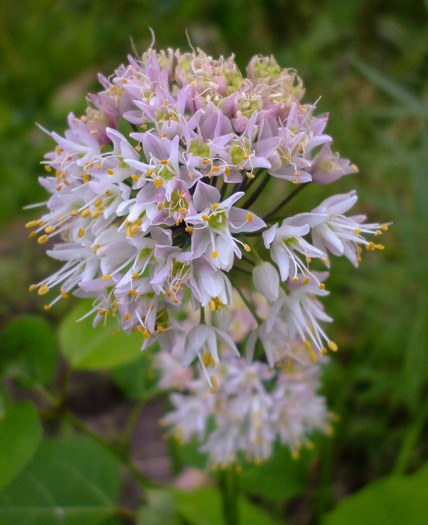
(266, 281)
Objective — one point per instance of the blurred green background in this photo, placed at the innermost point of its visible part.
(368, 61)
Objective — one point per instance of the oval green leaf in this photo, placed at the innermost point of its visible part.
(89, 348)
(20, 435)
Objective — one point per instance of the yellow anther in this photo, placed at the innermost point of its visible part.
(164, 162)
(135, 275)
(31, 224)
(47, 306)
(183, 211)
(212, 305)
(295, 455)
(218, 303)
(295, 279)
(97, 213)
(48, 168)
(384, 227)
(32, 235)
(110, 171)
(146, 334)
(50, 229)
(247, 247)
(43, 290)
(85, 213)
(323, 350)
(135, 177)
(332, 345)
(324, 260)
(61, 218)
(74, 213)
(133, 292)
(308, 260)
(40, 223)
(106, 277)
(129, 232)
(32, 288)
(178, 221)
(81, 233)
(128, 316)
(312, 356)
(206, 161)
(372, 246)
(135, 229)
(42, 239)
(214, 255)
(64, 295)
(249, 217)
(86, 178)
(357, 230)
(190, 175)
(213, 388)
(250, 175)
(158, 183)
(215, 205)
(116, 332)
(321, 286)
(227, 170)
(206, 358)
(380, 246)
(160, 206)
(212, 362)
(160, 329)
(308, 345)
(98, 203)
(189, 230)
(215, 168)
(143, 126)
(206, 218)
(305, 280)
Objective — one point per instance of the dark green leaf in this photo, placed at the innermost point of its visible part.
(137, 379)
(392, 501)
(69, 481)
(160, 508)
(29, 348)
(20, 435)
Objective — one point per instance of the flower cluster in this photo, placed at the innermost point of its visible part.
(157, 195)
(254, 407)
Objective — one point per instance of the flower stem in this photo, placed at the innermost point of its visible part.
(246, 301)
(229, 493)
(257, 191)
(286, 200)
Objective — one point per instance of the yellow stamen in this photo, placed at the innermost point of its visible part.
(74, 213)
(249, 217)
(227, 170)
(31, 224)
(305, 280)
(321, 286)
(50, 229)
(43, 290)
(110, 171)
(213, 389)
(214, 255)
(97, 213)
(332, 345)
(312, 356)
(81, 233)
(133, 292)
(206, 218)
(128, 316)
(247, 248)
(98, 203)
(85, 213)
(64, 295)
(164, 162)
(215, 205)
(135, 178)
(380, 246)
(135, 275)
(42, 239)
(106, 277)
(32, 235)
(158, 183)
(47, 306)
(32, 288)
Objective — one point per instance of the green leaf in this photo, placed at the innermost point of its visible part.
(392, 501)
(20, 435)
(29, 348)
(137, 379)
(283, 477)
(69, 481)
(89, 348)
(204, 507)
(160, 508)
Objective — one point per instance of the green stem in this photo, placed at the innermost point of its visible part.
(405, 455)
(286, 200)
(63, 413)
(229, 494)
(257, 191)
(247, 303)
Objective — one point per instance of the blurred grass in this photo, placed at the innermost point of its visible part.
(368, 60)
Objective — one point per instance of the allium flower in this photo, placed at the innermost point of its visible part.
(254, 407)
(165, 215)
